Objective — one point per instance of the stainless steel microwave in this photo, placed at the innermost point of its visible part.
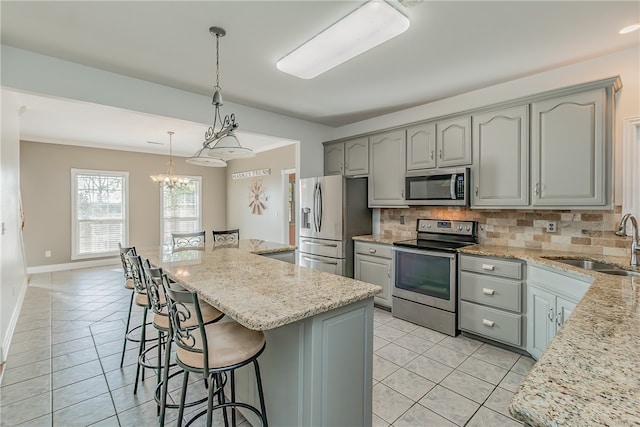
(438, 187)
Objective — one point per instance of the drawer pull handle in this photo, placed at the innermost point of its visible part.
(488, 267)
(488, 291)
(372, 251)
(488, 323)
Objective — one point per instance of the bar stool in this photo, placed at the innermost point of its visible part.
(199, 352)
(226, 237)
(128, 284)
(188, 240)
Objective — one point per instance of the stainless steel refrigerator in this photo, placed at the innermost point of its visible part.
(333, 209)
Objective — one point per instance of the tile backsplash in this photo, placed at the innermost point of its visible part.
(589, 232)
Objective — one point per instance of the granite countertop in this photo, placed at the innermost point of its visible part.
(386, 239)
(258, 292)
(590, 373)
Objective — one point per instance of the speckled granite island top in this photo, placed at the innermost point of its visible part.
(258, 292)
(590, 373)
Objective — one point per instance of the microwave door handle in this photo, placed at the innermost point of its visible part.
(452, 187)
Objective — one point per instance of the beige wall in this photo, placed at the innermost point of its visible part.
(45, 171)
(270, 225)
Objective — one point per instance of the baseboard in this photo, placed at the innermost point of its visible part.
(72, 265)
(13, 322)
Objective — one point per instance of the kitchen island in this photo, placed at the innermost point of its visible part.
(317, 365)
(590, 373)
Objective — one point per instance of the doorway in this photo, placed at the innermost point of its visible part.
(289, 198)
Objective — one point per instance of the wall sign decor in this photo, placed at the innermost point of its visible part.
(251, 174)
(257, 197)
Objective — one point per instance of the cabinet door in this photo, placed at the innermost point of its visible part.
(334, 159)
(356, 157)
(501, 158)
(540, 320)
(569, 155)
(386, 169)
(564, 308)
(376, 270)
(421, 147)
(454, 142)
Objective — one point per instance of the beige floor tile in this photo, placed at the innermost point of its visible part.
(388, 404)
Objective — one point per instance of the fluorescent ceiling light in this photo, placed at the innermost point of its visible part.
(372, 24)
(629, 29)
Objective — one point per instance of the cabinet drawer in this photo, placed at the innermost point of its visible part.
(489, 290)
(374, 249)
(492, 266)
(491, 323)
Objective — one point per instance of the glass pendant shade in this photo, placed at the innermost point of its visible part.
(200, 158)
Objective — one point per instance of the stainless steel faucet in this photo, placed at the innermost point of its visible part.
(635, 242)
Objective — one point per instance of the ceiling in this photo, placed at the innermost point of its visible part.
(452, 47)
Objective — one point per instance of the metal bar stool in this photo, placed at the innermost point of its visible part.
(188, 240)
(128, 276)
(198, 352)
(226, 237)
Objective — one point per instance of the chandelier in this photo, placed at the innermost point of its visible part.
(170, 179)
(220, 142)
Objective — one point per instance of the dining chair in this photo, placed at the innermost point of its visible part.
(226, 237)
(213, 351)
(188, 240)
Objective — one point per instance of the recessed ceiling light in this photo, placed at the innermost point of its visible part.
(629, 29)
(368, 26)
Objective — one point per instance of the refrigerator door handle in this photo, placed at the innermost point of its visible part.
(310, 242)
(318, 261)
(315, 207)
(320, 202)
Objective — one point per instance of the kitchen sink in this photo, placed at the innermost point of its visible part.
(588, 264)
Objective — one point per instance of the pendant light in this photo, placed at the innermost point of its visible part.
(221, 143)
(170, 179)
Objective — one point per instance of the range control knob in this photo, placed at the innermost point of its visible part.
(428, 225)
(468, 228)
(460, 228)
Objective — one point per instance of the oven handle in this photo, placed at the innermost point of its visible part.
(440, 254)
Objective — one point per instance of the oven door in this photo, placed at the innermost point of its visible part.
(426, 277)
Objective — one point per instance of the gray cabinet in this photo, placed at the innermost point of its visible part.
(500, 171)
(387, 169)
(349, 158)
(491, 300)
(551, 297)
(421, 147)
(373, 263)
(570, 150)
(453, 140)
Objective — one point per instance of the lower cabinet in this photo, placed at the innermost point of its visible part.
(373, 262)
(551, 297)
(491, 299)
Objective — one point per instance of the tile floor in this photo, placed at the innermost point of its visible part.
(63, 365)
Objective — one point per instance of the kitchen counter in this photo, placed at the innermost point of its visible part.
(380, 238)
(258, 292)
(590, 373)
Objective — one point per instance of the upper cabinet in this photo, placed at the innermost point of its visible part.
(570, 150)
(500, 171)
(386, 169)
(443, 144)
(454, 142)
(421, 147)
(349, 158)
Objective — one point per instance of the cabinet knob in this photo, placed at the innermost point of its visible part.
(559, 319)
(440, 154)
(431, 154)
(372, 251)
(537, 189)
(488, 267)
(476, 191)
(551, 315)
(488, 323)
(488, 291)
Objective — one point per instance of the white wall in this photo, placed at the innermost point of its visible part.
(30, 72)
(625, 63)
(12, 273)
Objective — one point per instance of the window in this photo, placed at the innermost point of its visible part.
(99, 204)
(180, 209)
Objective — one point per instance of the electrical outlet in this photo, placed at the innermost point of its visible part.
(401, 219)
(486, 227)
(47, 254)
(552, 226)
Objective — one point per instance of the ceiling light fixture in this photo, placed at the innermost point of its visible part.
(170, 179)
(629, 29)
(368, 26)
(220, 142)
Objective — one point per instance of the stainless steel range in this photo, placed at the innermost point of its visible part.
(425, 279)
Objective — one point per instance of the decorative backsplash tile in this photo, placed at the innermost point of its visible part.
(589, 232)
